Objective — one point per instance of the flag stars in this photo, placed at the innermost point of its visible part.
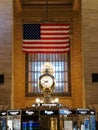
(31, 31)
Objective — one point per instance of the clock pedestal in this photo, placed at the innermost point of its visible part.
(47, 97)
(47, 82)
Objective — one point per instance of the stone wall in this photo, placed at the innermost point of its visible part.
(6, 25)
(90, 49)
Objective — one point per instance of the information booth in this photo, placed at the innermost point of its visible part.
(30, 119)
(83, 119)
(49, 118)
(68, 119)
(13, 119)
(3, 120)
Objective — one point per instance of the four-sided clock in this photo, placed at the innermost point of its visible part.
(46, 82)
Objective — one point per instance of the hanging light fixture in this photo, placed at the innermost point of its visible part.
(46, 19)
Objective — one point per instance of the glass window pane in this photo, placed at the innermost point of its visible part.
(61, 65)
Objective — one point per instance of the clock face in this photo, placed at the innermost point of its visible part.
(46, 81)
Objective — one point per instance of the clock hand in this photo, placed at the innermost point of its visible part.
(45, 81)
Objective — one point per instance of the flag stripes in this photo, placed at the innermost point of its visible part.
(45, 38)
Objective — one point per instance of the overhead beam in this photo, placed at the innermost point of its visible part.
(52, 2)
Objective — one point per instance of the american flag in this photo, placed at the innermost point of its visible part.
(45, 38)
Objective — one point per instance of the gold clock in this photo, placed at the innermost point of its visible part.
(46, 82)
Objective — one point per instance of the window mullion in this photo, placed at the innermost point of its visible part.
(34, 63)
